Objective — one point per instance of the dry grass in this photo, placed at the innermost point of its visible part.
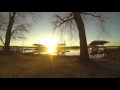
(38, 66)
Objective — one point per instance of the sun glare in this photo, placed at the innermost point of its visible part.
(51, 43)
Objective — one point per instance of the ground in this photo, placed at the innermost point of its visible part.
(46, 66)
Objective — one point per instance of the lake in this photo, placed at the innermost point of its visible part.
(73, 52)
(76, 52)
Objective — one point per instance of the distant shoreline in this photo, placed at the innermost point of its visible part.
(66, 46)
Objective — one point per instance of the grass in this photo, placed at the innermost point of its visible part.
(46, 66)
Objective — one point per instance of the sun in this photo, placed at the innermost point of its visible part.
(51, 43)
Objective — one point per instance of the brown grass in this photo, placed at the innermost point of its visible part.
(46, 66)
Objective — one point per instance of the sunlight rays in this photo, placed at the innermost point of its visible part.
(51, 43)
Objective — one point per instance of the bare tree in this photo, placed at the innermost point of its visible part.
(2, 24)
(74, 20)
(16, 26)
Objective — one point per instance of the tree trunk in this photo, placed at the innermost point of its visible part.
(84, 56)
(8, 32)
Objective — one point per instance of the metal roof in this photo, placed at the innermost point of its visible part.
(98, 42)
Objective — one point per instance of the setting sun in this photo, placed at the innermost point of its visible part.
(51, 43)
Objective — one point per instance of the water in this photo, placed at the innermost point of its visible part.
(76, 52)
(73, 52)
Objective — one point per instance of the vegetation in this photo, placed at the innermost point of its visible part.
(74, 20)
(14, 27)
(29, 65)
(46, 66)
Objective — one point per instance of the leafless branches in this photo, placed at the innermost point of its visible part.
(2, 40)
(63, 22)
(99, 18)
(20, 25)
(65, 25)
(18, 31)
(3, 22)
(59, 21)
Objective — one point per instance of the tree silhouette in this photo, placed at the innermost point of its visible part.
(15, 27)
(73, 20)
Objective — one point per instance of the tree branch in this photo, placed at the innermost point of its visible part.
(101, 21)
(2, 40)
(71, 14)
(97, 16)
(15, 29)
(22, 27)
(63, 21)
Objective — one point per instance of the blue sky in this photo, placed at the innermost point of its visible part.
(44, 29)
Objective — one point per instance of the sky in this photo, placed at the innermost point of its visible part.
(43, 29)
